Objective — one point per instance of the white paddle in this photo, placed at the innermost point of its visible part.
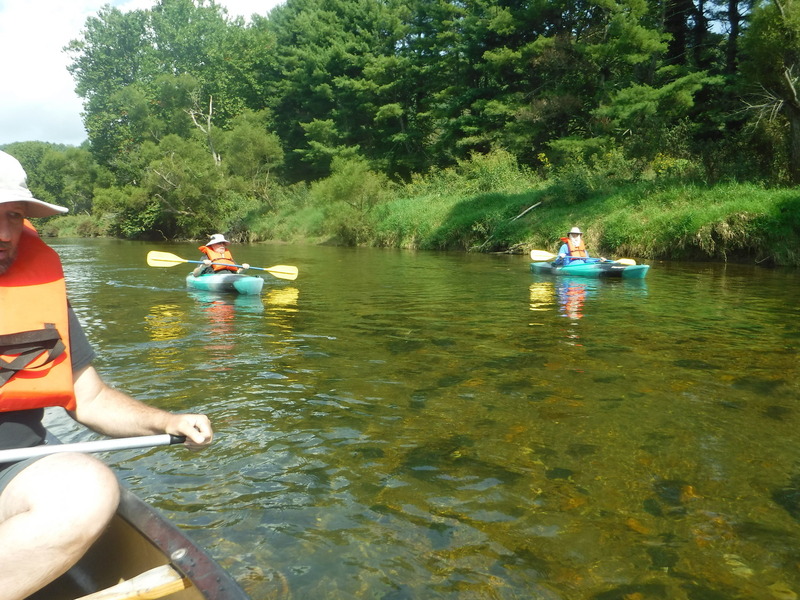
(130, 443)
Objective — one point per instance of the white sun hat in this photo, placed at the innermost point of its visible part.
(217, 238)
(576, 230)
(14, 188)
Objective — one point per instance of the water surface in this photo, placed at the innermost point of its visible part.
(399, 425)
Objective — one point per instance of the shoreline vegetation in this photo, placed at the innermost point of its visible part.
(490, 204)
(665, 131)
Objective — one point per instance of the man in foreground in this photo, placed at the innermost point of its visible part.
(53, 508)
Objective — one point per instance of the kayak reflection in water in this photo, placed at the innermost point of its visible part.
(571, 297)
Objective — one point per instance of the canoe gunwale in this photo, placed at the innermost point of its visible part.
(206, 575)
(140, 538)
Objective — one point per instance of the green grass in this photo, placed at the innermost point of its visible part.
(739, 222)
(476, 207)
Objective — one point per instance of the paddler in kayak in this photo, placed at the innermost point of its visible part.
(573, 250)
(54, 507)
(217, 258)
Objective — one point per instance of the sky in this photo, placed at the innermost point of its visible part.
(37, 97)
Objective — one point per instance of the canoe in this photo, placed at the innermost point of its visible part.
(142, 555)
(226, 282)
(609, 269)
(141, 551)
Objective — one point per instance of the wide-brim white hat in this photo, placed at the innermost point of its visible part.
(217, 238)
(14, 188)
(576, 230)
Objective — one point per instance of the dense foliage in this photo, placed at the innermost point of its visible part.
(325, 110)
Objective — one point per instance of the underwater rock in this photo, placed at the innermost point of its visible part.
(789, 497)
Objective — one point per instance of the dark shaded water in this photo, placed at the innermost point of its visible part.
(398, 425)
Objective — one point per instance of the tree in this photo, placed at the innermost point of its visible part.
(142, 72)
(320, 71)
(249, 150)
(69, 177)
(772, 48)
(115, 52)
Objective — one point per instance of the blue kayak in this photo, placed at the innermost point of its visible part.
(608, 269)
(226, 282)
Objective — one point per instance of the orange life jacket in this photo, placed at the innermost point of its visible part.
(35, 367)
(220, 261)
(576, 249)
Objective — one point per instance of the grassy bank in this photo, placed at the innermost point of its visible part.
(489, 204)
(725, 222)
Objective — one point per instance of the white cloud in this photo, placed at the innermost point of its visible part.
(37, 98)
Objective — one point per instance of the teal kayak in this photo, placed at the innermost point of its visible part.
(608, 269)
(226, 282)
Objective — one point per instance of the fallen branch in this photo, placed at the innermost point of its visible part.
(526, 211)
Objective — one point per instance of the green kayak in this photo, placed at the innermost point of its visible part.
(606, 269)
(226, 282)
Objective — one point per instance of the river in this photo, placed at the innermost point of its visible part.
(405, 425)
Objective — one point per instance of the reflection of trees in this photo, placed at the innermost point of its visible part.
(541, 296)
(165, 322)
(281, 305)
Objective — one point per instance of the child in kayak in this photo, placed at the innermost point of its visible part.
(217, 258)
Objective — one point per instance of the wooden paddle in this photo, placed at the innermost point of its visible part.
(156, 583)
(165, 259)
(130, 443)
(543, 255)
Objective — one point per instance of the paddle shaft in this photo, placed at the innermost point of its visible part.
(200, 262)
(589, 258)
(543, 255)
(167, 259)
(549, 256)
(131, 443)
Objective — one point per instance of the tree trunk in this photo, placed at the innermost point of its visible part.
(793, 114)
(732, 48)
(676, 23)
(702, 57)
(194, 113)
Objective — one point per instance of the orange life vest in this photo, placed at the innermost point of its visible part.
(220, 261)
(576, 249)
(35, 367)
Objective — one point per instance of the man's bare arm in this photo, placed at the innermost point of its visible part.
(111, 412)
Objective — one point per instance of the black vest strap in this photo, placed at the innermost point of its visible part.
(26, 347)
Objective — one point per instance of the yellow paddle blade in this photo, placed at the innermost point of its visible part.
(283, 271)
(164, 259)
(626, 261)
(541, 255)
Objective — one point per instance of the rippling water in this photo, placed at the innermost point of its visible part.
(401, 425)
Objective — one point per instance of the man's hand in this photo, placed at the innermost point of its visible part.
(196, 428)
(245, 266)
